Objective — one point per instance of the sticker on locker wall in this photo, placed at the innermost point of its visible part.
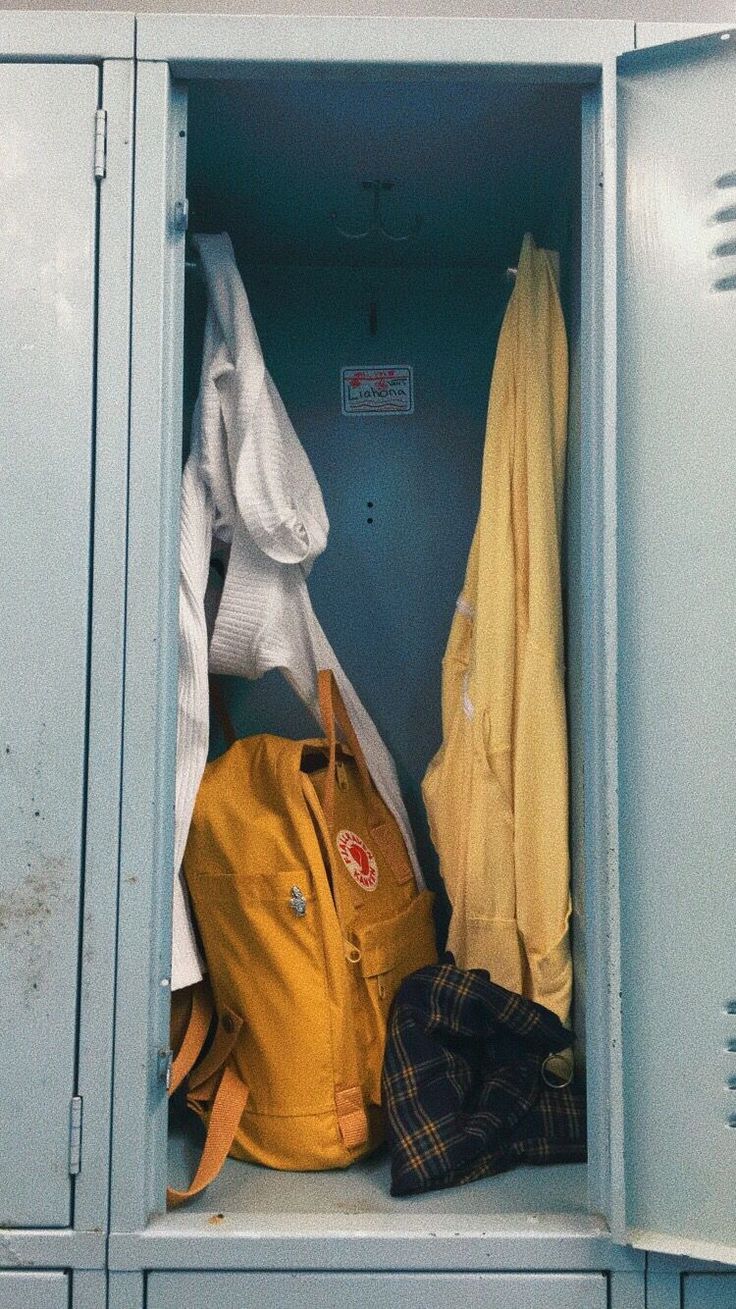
(378, 389)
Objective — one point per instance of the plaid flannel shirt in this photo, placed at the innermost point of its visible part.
(463, 1091)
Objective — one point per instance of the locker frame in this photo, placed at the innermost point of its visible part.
(170, 47)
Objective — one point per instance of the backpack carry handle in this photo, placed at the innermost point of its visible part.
(332, 708)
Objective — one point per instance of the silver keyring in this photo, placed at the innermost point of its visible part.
(557, 1085)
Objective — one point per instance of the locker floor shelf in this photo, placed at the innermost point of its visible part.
(257, 1218)
(363, 1189)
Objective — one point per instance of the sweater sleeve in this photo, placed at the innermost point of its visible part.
(270, 478)
(192, 728)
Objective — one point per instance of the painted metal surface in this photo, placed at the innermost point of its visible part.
(663, 1283)
(126, 1291)
(370, 1242)
(48, 197)
(48, 1290)
(45, 1248)
(708, 1290)
(146, 856)
(202, 41)
(672, 1282)
(55, 1247)
(42, 34)
(99, 931)
(648, 34)
(89, 1290)
(627, 1291)
(598, 568)
(677, 611)
(371, 1291)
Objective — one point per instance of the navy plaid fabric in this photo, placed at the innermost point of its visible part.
(463, 1091)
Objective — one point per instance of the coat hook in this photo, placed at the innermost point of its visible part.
(376, 223)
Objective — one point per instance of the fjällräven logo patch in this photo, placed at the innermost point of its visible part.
(358, 859)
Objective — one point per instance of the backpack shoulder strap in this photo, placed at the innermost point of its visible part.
(226, 1102)
(195, 1034)
(227, 1110)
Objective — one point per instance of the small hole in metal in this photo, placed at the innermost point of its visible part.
(731, 1047)
(731, 1120)
(731, 1084)
(182, 134)
(730, 1007)
(369, 520)
(369, 504)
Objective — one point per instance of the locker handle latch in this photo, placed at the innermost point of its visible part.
(165, 1061)
(181, 216)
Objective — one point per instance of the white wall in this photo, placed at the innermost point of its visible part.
(689, 10)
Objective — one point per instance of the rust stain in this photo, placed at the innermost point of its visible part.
(215, 1219)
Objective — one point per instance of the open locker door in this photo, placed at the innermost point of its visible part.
(677, 642)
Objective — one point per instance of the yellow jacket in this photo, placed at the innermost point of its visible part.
(497, 790)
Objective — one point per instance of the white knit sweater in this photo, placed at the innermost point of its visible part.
(248, 486)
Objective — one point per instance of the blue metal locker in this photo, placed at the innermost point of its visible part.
(88, 716)
(271, 1221)
(627, 666)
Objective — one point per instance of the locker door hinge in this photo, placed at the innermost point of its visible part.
(101, 143)
(75, 1135)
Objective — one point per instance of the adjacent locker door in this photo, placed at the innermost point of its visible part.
(48, 239)
(30, 1290)
(677, 641)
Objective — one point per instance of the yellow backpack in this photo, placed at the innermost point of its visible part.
(310, 918)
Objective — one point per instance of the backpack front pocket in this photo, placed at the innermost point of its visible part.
(383, 954)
